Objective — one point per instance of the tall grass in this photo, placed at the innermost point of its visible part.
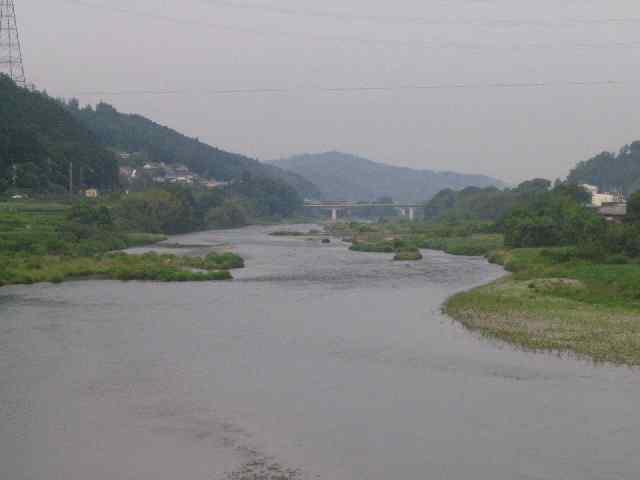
(37, 244)
(27, 269)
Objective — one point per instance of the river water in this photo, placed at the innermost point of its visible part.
(316, 363)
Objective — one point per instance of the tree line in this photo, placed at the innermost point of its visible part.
(42, 147)
(178, 209)
(610, 171)
(539, 214)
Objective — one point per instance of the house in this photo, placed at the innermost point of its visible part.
(212, 183)
(598, 199)
(185, 179)
(126, 172)
(153, 166)
(613, 212)
(91, 193)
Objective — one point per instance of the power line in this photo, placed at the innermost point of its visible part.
(344, 38)
(365, 89)
(393, 19)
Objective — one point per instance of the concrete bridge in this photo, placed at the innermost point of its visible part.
(406, 209)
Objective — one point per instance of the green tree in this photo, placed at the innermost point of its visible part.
(610, 171)
(269, 197)
(156, 211)
(232, 213)
(39, 137)
(633, 208)
(537, 185)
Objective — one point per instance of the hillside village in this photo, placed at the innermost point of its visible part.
(161, 173)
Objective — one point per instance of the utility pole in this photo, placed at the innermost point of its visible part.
(10, 48)
(70, 178)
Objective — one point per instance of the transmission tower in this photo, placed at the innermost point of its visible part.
(10, 49)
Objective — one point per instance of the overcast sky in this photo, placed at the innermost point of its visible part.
(200, 48)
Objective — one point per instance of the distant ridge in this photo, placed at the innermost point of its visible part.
(349, 177)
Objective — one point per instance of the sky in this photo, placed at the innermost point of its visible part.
(506, 88)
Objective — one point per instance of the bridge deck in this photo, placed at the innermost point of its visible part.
(363, 205)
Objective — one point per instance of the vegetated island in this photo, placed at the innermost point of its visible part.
(54, 242)
(575, 278)
(296, 233)
(405, 239)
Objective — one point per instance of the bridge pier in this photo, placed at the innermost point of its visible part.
(334, 215)
(412, 214)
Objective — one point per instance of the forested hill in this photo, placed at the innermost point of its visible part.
(135, 133)
(39, 139)
(347, 177)
(611, 172)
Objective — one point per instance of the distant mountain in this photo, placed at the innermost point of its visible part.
(611, 172)
(341, 176)
(135, 133)
(39, 139)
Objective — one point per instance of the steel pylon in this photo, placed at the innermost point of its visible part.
(10, 48)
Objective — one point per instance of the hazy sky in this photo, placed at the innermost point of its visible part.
(200, 48)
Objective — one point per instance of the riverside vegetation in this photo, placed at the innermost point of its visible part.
(49, 240)
(405, 239)
(52, 150)
(54, 242)
(575, 278)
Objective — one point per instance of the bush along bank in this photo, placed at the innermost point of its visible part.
(119, 266)
(575, 283)
(581, 297)
(56, 242)
(406, 240)
(403, 251)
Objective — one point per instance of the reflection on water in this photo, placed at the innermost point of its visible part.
(316, 362)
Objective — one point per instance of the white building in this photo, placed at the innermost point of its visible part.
(212, 183)
(598, 199)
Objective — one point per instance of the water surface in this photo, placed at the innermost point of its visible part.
(316, 362)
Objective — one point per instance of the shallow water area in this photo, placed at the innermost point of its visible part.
(315, 362)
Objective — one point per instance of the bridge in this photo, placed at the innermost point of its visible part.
(406, 209)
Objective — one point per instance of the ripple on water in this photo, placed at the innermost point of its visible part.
(316, 360)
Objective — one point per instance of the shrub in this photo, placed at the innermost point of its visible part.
(408, 255)
(590, 250)
(56, 278)
(616, 260)
(223, 261)
(560, 255)
(379, 247)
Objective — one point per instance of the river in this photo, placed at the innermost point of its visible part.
(315, 363)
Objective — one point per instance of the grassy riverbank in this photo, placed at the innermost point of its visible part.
(554, 300)
(54, 242)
